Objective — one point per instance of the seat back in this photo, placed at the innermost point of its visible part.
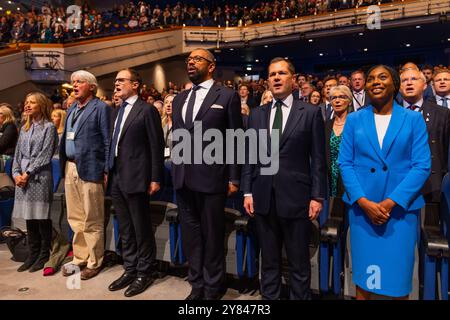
(445, 206)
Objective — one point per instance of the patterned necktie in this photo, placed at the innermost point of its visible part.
(444, 102)
(115, 140)
(190, 107)
(412, 107)
(278, 120)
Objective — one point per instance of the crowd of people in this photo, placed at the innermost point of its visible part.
(59, 24)
(377, 139)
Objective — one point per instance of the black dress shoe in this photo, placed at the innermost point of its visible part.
(124, 281)
(139, 285)
(195, 295)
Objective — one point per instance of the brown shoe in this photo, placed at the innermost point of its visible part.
(87, 273)
(68, 270)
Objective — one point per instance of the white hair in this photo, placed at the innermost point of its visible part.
(85, 76)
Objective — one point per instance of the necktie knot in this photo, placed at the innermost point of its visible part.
(123, 105)
(412, 107)
(278, 104)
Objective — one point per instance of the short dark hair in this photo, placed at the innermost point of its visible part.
(358, 71)
(291, 67)
(134, 76)
(394, 74)
(427, 67)
(244, 85)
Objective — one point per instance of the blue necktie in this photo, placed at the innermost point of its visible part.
(115, 140)
(444, 102)
(328, 111)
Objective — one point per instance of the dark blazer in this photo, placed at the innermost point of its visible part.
(140, 158)
(437, 119)
(251, 102)
(340, 186)
(91, 141)
(302, 173)
(8, 138)
(226, 115)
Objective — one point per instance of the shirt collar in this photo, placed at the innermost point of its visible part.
(206, 84)
(418, 104)
(286, 102)
(132, 100)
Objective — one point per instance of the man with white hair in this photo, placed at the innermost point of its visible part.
(84, 153)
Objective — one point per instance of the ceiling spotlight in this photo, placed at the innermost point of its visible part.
(257, 60)
(361, 34)
(231, 49)
(266, 46)
(249, 68)
(365, 49)
(286, 58)
(408, 45)
(418, 27)
(321, 54)
(310, 40)
(246, 75)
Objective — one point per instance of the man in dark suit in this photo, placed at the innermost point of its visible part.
(83, 154)
(201, 189)
(437, 119)
(284, 204)
(358, 82)
(441, 83)
(136, 171)
(325, 107)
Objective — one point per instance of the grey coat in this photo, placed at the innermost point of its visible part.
(34, 152)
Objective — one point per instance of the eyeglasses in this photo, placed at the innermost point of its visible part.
(78, 82)
(196, 59)
(339, 97)
(412, 79)
(122, 80)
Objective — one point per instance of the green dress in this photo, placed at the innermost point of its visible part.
(335, 142)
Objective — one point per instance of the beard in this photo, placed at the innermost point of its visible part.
(198, 76)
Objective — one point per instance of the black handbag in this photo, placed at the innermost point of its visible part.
(17, 243)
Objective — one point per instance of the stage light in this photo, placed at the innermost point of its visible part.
(310, 40)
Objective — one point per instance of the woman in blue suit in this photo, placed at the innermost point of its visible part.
(384, 160)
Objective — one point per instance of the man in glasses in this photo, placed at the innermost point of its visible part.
(202, 189)
(83, 155)
(135, 173)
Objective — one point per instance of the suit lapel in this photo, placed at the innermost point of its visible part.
(371, 131)
(294, 117)
(135, 111)
(178, 109)
(428, 116)
(85, 115)
(395, 125)
(210, 98)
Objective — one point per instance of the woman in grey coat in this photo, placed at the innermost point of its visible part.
(32, 172)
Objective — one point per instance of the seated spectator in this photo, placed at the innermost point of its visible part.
(5, 34)
(88, 29)
(8, 130)
(133, 23)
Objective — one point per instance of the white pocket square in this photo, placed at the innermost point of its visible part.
(216, 106)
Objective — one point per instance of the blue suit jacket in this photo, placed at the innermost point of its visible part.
(397, 171)
(91, 141)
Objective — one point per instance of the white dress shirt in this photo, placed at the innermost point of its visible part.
(130, 102)
(359, 98)
(200, 95)
(418, 104)
(439, 100)
(285, 109)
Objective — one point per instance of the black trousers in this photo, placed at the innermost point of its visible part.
(135, 228)
(274, 231)
(203, 235)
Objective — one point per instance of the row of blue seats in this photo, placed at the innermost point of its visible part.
(434, 239)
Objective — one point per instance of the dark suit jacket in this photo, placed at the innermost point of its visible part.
(91, 141)
(8, 139)
(202, 177)
(437, 119)
(302, 173)
(140, 156)
(340, 186)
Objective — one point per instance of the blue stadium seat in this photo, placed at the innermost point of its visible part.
(6, 209)
(8, 167)
(332, 243)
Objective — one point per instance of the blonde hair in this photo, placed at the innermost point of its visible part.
(345, 90)
(7, 114)
(165, 117)
(266, 92)
(62, 115)
(45, 105)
